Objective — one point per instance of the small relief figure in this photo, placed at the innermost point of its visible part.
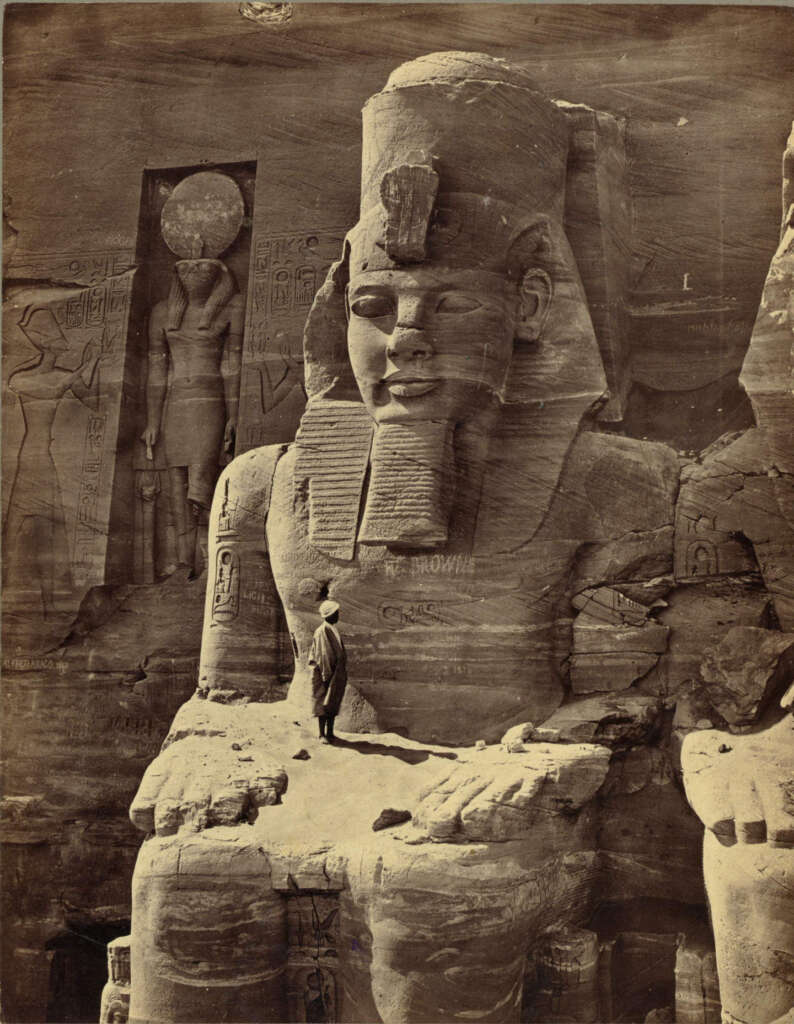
(36, 547)
(318, 999)
(117, 1014)
(328, 660)
(701, 559)
(195, 342)
(225, 601)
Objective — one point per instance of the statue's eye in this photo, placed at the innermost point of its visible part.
(456, 302)
(373, 306)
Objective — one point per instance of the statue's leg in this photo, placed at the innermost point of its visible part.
(440, 933)
(751, 896)
(208, 932)
(184, 521)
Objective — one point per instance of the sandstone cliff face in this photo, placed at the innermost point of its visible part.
(107, 111)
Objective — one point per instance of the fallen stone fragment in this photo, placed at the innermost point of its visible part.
(745, 670)
(389, 817)
(302, 755)
(615, 720)
(514, 739)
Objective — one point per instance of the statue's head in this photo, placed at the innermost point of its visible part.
(459, 252)
(198, 276)
(768, 371)
(455, 322)
(208, 282)
(41, 329)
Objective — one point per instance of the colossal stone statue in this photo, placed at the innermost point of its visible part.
(494, 558)
(742, 786)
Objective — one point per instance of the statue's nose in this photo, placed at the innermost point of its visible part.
(409, 343)
(409, 339)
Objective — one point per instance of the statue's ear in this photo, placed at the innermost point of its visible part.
(531, 252)
(534, 299)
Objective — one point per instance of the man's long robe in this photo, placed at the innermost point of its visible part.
(329, 676)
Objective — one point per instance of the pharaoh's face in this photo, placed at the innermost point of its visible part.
(430, 342)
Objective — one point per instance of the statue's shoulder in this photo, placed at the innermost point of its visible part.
(614, 485)
(245, 485)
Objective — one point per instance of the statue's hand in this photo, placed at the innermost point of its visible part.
(91, 352)
(742, 787)
(294, 366)
(496, 796)
(201, 781)
(149, 436)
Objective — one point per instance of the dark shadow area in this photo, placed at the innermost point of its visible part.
(79, 971)
(401, 753)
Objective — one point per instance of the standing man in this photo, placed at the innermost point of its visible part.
(329, 676)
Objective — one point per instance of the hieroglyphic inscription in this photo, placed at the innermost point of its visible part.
(226, 593)
(88, 535)
(286, 272)
(88, 268)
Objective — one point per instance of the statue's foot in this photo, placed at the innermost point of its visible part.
(742, 787)
(203, 781)
(495, 796)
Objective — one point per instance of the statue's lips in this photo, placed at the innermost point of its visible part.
(410, 387)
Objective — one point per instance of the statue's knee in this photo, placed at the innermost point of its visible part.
(206, 925)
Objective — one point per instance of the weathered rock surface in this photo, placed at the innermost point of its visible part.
(697, 990)
(567, 988)
(745, 670)
(611, 657)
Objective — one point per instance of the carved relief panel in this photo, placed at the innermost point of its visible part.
(313, 928)
(65, 416)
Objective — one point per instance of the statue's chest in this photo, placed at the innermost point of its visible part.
(387, 589)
